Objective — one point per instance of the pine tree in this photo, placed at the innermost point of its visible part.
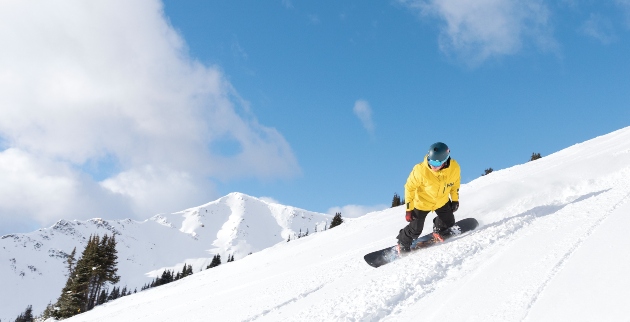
(337, 220)
(102, 298)
(71, 261)
(216, 261)
(535, 156)
(27, 316)
(48, 313)
(487, 171)
(186, 271)
(396, 201)
(167, 277)
(190, 270)
(96, 267)
(74, 295)
(114, 294)
(104, 268)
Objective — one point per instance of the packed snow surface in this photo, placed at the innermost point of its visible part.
(551, 246)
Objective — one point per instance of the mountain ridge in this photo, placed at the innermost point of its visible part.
(236, 224)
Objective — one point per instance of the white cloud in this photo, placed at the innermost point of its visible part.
(314, 19)
(152, 189)
(481, 29)
(355, 211)
(625, 6)
(600, 28)
(288, 4)
(363, 111)
(237, 50)
(84, 82)
(269, 200)
(39, 190)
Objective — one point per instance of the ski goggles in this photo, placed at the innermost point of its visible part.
(437, 163)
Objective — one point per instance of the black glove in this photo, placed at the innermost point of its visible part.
(454, 205)
(409, 215)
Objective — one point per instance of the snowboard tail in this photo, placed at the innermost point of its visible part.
(390, 254)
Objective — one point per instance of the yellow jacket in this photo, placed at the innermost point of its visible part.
(429, 190)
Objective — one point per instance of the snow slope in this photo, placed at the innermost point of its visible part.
(33, 265)
(551, 246)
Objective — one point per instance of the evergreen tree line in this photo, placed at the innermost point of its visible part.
(300, 234)
(535, 156)
(337, 220)
(216, 261)
(169, 276)
(27, 315)
(87, 278)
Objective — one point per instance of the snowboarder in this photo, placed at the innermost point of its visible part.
(433, 185)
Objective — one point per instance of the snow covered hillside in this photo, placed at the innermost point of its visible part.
(551, 246)
(33, 267)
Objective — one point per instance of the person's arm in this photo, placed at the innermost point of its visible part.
(455, 190)
(413, 182)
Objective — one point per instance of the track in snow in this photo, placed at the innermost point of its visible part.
(543, 237)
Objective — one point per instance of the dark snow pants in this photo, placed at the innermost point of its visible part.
(445, 219)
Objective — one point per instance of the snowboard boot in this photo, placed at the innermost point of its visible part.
(439, 234)
(440, 230)
(403, 249)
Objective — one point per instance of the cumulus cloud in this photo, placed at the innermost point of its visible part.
(110, 81)
(355, 211)
(477, 30)
(35, 190)
(363, 111)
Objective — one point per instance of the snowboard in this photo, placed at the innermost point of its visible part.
(390, 254)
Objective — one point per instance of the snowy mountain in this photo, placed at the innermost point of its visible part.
(551, 246)
(33, 265)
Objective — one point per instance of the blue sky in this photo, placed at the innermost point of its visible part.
(302, 65)
(115, 109)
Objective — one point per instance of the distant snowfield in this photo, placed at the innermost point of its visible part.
(551, 246)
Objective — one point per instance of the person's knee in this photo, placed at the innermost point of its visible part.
(441, 222)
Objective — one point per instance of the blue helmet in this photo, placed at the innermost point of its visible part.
(438, 154)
